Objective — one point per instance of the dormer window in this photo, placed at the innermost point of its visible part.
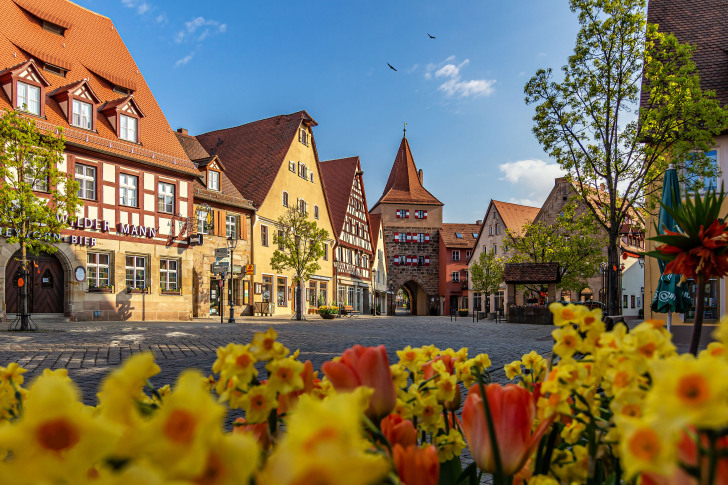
(29, 98)
(55, 28)
(213, 180)
(82, 115)
(128, 128)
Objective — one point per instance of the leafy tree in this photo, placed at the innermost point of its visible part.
(574, 241)
(33, 191)
(300, 247)
(592, 124)
(486, 274)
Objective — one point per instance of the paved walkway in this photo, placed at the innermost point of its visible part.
(89, 349)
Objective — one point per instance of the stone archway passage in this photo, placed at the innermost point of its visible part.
(46, 285)
(418, 298)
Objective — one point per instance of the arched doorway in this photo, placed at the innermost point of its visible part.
(46, 285)
(417, 298)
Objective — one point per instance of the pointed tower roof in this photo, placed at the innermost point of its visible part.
(404, 185)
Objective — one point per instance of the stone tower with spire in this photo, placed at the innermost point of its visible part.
(411, 217)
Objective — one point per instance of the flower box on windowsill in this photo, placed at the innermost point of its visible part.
(178, 291)
(144, 291)
(100, 289)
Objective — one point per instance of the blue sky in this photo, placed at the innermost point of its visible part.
(216, 64)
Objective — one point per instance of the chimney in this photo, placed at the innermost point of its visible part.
(419, 176)
(182, 130)
(479, 222)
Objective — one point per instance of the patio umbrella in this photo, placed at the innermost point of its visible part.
(669, 297)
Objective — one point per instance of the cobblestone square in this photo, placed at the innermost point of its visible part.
(90, 350)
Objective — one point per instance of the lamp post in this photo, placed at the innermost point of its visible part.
(231, 243)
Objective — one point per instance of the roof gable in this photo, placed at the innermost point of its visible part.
(254, 152)
(26, 70)
(403, 184)
(449, 235)
(375, 227)
(80, 89)
(515, 216)
(338, 177)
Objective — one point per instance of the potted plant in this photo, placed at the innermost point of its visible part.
(463, 312)
(93, 288)
(328, 312)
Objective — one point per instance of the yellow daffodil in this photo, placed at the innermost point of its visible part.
(258, 403)
(646, 445)
(12, 374)
(411, 358)
(449, 445)
(265, 347)
(446, 386)
(399, 376)
(567, 340)
(57, 439)
(285, 375)
(513, 369)
(123, 389)
(589, 319)
(564, 314)
(428, 412)
(231, 459)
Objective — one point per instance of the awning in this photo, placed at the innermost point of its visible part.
(320, 278)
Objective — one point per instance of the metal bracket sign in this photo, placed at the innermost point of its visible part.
(249, 269)
(220, 267)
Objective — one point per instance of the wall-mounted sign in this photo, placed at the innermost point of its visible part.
(133, 230)
(80, 273)
(249, 269)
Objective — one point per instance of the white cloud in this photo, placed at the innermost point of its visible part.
(412, 69)
(455, 85)
(143, 8)
(129, 3)
(183, 61)
(533, 179)
(209, 26)
(161, 18)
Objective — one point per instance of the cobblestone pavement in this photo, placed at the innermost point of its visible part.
(90, 349)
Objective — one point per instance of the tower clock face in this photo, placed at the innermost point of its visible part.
(80, 273)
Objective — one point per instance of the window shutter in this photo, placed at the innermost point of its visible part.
(427, 260)
(414, 260)
(425, 212)
(427, 238)
(406, 214)
(397, 213)
(220, 229)
(396, 260)
(396, 237)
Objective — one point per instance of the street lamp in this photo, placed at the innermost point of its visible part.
(231, 243)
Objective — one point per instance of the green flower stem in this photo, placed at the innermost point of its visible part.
(498, 475)
(699, 310)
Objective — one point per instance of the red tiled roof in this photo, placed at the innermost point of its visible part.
(404, 183)
(696, 22)
(89, 47)
(449, 237)
(515, 215)
(253, 153)
(521, 273)
(227, 194)
(338, 176)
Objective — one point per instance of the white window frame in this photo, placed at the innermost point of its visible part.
(138, 267)
(128, 191)
(292, 166)
(284, 199)
(84, 192)
(82, 114)
(29, 98)
(202, 221)
(213, 182)
(315, 212)
(166, 273)
(456, 255)
(467, 254)
(264, 241)
(455, 276)
(94, 267)
(231, 226)
(303, 136)
(128, 128)
(165, 197)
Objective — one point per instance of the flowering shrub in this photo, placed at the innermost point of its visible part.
(328, 310)
(463, 312)
(605, 407)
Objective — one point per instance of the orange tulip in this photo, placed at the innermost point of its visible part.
(398, 430)
(417, 466)
(259, 431)
(365, 366)
(513, 410)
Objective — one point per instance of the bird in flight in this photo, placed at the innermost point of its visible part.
(390, 66)
(432, 36)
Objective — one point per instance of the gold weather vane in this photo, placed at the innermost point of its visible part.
(405, 129)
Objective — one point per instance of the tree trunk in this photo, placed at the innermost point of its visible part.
(24, 310)
(299, 302)
(699, 310)
(613, 271)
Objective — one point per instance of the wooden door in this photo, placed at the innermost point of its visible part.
(46, 285)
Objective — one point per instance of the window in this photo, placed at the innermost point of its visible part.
(168, 274)
(455, 255)
(82, 114)
(456, 276)
(490, 230)
(420, 260)
(128, 189)
(264, 235)
(421, 237)
(136, 272)
(281, 290)
(496, 229)
(475, 235)
(38, 181)
(310, 176)
(311, 294)
(165, 197)
(315, 212)
(204, 221)
(632, 297)
(128, 128)
(86, 178)
(302, 206)
(420, 214)
(326, 252)
(495, 249)
(29, 98)
(303, 136)
(302, 171)
(266, 287)
(459, 235)
(292, 166)
(402, 214)
(624, 303)
(231, 226)
(214, 180)
(323, 297)
(97, 270)
(711, 183)
(285, 199)
(280, 239)
(467, 254)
